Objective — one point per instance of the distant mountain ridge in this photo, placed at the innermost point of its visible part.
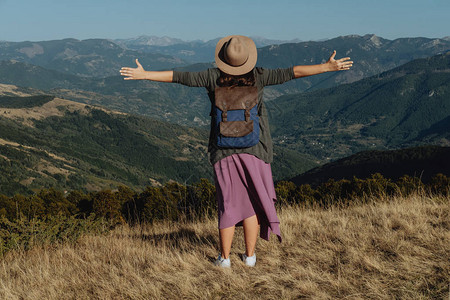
(91, 58)
(196, 51)
(371, 55)
(149, 40)
(384, 54)
(152, 40)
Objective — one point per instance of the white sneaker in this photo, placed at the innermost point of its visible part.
(222, 262)
(249, 260)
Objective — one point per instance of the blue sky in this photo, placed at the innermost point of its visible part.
(37, 20)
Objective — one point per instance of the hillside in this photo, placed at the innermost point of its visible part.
(403, 107)
(28, 75)
(168, 102)
(392, 248)
(46, 141)
(423, 162)
(74, 146)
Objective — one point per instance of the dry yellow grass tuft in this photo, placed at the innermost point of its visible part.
(393, 248)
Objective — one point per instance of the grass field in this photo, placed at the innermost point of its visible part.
(395, 248)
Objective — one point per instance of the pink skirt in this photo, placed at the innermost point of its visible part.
(244, 187)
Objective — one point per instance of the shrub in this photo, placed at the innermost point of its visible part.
(106, 205)
(286, 192)
(201, 200)
(440, 184)
(407, 185)
(83, 203)
(155, 203)
(23, 233)
(55, 203)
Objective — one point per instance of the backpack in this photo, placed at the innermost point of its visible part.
(236, 116)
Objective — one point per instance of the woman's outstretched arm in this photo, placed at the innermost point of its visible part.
(330, 66)
(140, 73)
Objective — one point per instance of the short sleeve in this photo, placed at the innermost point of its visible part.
(275, 76)
(194, 79)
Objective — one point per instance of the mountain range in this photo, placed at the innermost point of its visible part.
(46, 139)
(372, 55)
(103, 58)
(191, 106)
(197, 51)
(403, 107)
(92, 57)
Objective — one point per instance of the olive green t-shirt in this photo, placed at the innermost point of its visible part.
(263, 77)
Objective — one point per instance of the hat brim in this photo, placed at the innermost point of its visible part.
(240, 70)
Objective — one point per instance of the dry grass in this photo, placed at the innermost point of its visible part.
(56, 107)
(13, 90)
(52, 108)
(396, 249)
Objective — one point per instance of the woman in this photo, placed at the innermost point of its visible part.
(243, 177)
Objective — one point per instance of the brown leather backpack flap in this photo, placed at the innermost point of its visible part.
(233, 98)
(236, 128)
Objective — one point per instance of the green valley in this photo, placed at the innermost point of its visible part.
(51, 142)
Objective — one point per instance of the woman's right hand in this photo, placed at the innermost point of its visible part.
(133, 73)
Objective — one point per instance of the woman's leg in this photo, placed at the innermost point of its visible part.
(251, 228)
(226, 238)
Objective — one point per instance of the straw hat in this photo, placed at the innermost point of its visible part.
(236, 54)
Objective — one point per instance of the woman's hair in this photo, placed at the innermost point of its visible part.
(227, 80)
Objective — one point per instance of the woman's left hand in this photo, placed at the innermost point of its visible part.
(340, 64)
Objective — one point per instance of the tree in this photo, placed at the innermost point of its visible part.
(55, 202)
(106, 205)
(83, 202)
